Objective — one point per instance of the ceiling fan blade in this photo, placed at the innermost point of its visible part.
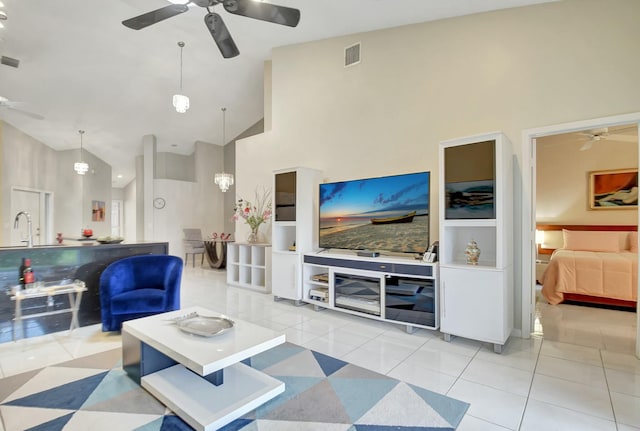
(586, 146)
(263, 11)
(146, 19)
(221, 35)
(27, 113)
(621, 138)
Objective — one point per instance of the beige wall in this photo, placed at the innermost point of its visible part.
(417, 85)
(562, 185)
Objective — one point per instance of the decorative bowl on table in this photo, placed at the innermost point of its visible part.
(204, 326)
(109, 239)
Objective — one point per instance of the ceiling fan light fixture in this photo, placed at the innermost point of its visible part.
(180, 101)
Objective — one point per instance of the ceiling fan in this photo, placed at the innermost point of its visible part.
(250, 8)
(605, 134)
(14, 106)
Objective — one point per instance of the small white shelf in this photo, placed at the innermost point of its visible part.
(207, 407)
(249, 266)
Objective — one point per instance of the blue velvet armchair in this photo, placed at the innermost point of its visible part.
(139, 286)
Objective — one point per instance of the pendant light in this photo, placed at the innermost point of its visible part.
(180, 101)
(223, 179)
(81, 167)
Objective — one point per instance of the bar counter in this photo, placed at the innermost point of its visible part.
(58, 263)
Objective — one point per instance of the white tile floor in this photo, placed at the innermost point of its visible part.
(577, 373)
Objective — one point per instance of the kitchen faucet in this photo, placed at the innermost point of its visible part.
(16, 224)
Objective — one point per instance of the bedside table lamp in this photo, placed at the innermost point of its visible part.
(539, 242)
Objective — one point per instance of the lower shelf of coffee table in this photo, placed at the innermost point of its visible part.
(205, 406)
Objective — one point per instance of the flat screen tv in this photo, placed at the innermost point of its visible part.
(380, 214)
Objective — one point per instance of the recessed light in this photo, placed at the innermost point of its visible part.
(1, 25)
(1, 4)
(118, 176)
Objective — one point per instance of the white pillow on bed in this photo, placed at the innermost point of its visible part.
(583, 240)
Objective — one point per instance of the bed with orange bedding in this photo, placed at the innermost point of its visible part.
(599, 267)
(604, 275)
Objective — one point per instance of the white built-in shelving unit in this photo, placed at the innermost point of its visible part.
(295, 228)
(249, 265)
(476, 300)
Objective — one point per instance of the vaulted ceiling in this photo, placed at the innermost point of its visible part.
(80, 68)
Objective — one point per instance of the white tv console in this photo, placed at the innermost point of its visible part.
(389, 288)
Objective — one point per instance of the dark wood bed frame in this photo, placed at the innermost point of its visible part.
(586, 298)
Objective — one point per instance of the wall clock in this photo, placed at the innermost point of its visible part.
(159, 203)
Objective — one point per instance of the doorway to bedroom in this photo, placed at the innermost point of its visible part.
(558, 184)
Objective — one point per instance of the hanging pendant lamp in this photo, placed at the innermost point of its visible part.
(223, 179)
(81, 167)
(180, 101)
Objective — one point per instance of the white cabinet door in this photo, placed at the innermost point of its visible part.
(285, 278)
(473, 304)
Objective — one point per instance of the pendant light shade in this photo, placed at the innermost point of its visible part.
(180, 101)
(81, 167)
(223, 179)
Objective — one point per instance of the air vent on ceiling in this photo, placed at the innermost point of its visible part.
(352, 55)
(8, 61)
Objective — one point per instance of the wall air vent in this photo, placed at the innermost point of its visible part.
(352, 55)
(8, 61)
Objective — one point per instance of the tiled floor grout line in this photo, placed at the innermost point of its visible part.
(606, 379)
(533, 376)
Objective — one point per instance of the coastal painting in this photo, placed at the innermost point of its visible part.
(613, 189)
(470, 200)
(379, 214)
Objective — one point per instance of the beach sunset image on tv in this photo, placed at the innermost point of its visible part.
(382, 214)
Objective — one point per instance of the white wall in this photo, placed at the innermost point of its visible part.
(562, 180)
(190, 204)
(130, 225)
(417, 85)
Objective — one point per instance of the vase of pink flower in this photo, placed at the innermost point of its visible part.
(254, 213)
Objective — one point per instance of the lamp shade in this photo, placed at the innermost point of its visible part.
(539, 236)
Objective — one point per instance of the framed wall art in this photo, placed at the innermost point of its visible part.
(97, 210)
(613, 189)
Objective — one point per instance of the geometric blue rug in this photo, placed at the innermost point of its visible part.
(322, 393)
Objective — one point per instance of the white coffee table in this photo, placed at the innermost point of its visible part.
(200, 378)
